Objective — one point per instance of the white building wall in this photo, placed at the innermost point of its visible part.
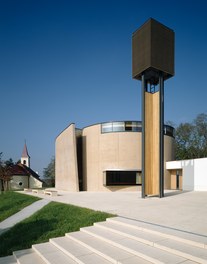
(171, 165)
(19, 182)
(200, 183)
(194, 173)
(187, 167)
(188, 174)
(34, 183)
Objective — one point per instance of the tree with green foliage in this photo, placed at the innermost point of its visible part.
(191, 139)
(49, 172)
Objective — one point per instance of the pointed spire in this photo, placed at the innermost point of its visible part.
(25, 158)
(25, 151)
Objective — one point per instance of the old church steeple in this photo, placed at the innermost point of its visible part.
(25, 158)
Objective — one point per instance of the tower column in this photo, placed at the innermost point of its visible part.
(152, 64)
(144, 88)
(161, 88)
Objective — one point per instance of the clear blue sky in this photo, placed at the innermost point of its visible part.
(65, 62)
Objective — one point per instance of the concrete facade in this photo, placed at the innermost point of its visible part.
(66, 167)
(108, 151)
(87, 158)
(191, 173)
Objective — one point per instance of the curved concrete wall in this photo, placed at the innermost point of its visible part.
(66, 169)
(108, 151)
(100, 152)
(114, 150)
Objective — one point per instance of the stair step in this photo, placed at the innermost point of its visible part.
(106, 250)
(139, 235)
(190, 262)
(155, 255)
(51, 254)
(166, 232)
(8, 260)
(172, 246)
(193, 253)
(27, 256)
(117, 240)
(76, 251)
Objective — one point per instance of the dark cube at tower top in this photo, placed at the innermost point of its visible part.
(153, 51)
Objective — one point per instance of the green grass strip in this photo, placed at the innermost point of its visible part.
(13, 202)
(54, 220)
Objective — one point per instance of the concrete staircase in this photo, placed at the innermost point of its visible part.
(117, 240)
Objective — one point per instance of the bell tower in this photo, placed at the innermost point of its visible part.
(152, 64)
(25, 158)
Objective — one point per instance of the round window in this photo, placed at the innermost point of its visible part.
(20, 183)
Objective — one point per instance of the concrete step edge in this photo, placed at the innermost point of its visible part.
(82, 257)
(167, 249)
(8, 260)
(155, 245)
(164, 235)
(32, 254)
(92, 249)
(55, 251)
(142, 240)
(181, 253)
(66, 252)
(39, 254)
(136, 253)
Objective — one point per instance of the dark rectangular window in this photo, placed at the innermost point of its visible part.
(122, 178)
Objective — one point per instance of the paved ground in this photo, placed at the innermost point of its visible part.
(185, 211)
(24, 213)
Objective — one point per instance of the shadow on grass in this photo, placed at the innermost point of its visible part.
(54, 220)
(25, 234)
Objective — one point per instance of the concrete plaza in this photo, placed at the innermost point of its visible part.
(185, 211)
(152, 230)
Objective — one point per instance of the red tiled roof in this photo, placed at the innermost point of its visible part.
(20, 169)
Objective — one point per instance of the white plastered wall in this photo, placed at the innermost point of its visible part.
(200, 180)
(19, 182)
(34, 183)
(194, 173)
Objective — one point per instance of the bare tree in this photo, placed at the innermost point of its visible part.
(5, 173)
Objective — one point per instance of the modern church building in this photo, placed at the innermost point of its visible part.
(105, 157)
(117, 156)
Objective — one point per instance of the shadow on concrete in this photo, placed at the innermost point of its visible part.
(175, 192)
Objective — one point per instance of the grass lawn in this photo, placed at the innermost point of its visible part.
(54, 220)
(13, 202)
